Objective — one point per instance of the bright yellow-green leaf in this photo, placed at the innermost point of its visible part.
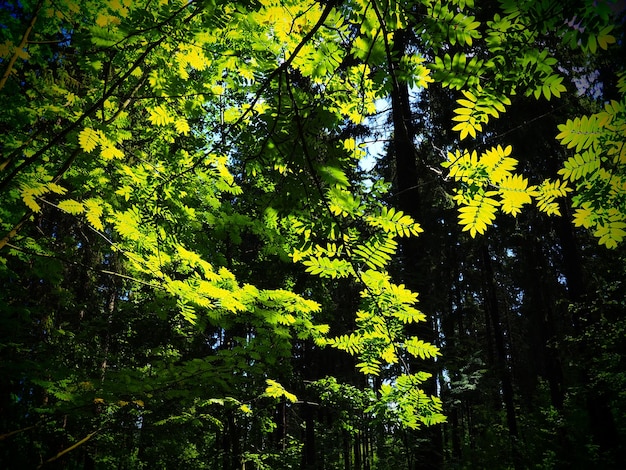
(583, 216)
(159, 116)
(389, 355)
(231, 115)
(370, 367)
(111, 152)
(89, 139)
(276, 390)
(29, 200)
(464, 111)
(610, 233)
(94, 213)
(55, 188)
(125, 191)
(547, 193)
(478, 214)
(182, 126)
(465, 129)
(498, 163)
(515, 193)
(71, 206)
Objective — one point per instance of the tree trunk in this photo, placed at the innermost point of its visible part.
(414, 269)
(346, 451)
(308, 452)
(601, 420)
(493, 310)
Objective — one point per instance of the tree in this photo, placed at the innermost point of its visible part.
(185, 229)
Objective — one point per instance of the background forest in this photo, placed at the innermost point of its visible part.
(343, 234)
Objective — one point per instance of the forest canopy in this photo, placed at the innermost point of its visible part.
(300, 234)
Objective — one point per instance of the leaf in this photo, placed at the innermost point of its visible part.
(546, 195)
(389, 355)
(351, 343)
(418, 348)
(231, 115)
(580, 165)
(55, 188)
(409, 315)
(111, 152)
(276, 390)
(394, 222)
(584, 216)
(343, 203)
(71, 206)
(93, 214)
(182, 126)
(515, 193)
(604, 38)
(29, 199)
(334, 176)
(324, 266)
(88, 139)
(478, 214)
(467, 128)
(376, 253)
(371, 367)
(610, 233)
(32, 191)
(498, 163)
(159, 116)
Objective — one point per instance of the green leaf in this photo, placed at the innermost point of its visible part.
(71, 206)
(276, 390)
(89, 139)
(478, 214)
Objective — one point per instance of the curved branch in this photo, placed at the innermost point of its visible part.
(21, 46)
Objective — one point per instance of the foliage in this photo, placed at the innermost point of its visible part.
(597, 169)
(179, 193)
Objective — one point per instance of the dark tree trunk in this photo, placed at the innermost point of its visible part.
(308, 453)
(357, 452)
(414, 269)
(230, 444)
(601, 420)
(456, 435)
(346, 451)
(493, 310)
(280, 432)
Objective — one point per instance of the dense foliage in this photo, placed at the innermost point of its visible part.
(201, 266)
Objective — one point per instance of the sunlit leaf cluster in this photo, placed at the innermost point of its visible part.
(597, 169)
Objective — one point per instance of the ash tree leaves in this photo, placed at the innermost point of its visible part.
(406, 403)
(394, 222)
(363, 255)
(488, 183)
(32, 194)
(514, 64)
(379, 337)
(158, 171)
(202, 142)
(276, 390)
(597, 168)
(89, 139)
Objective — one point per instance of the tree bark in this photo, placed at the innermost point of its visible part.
(601, 421)
(414, 269)
(493, 310)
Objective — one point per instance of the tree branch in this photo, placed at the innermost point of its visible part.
(70, 448)
(21, 46)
